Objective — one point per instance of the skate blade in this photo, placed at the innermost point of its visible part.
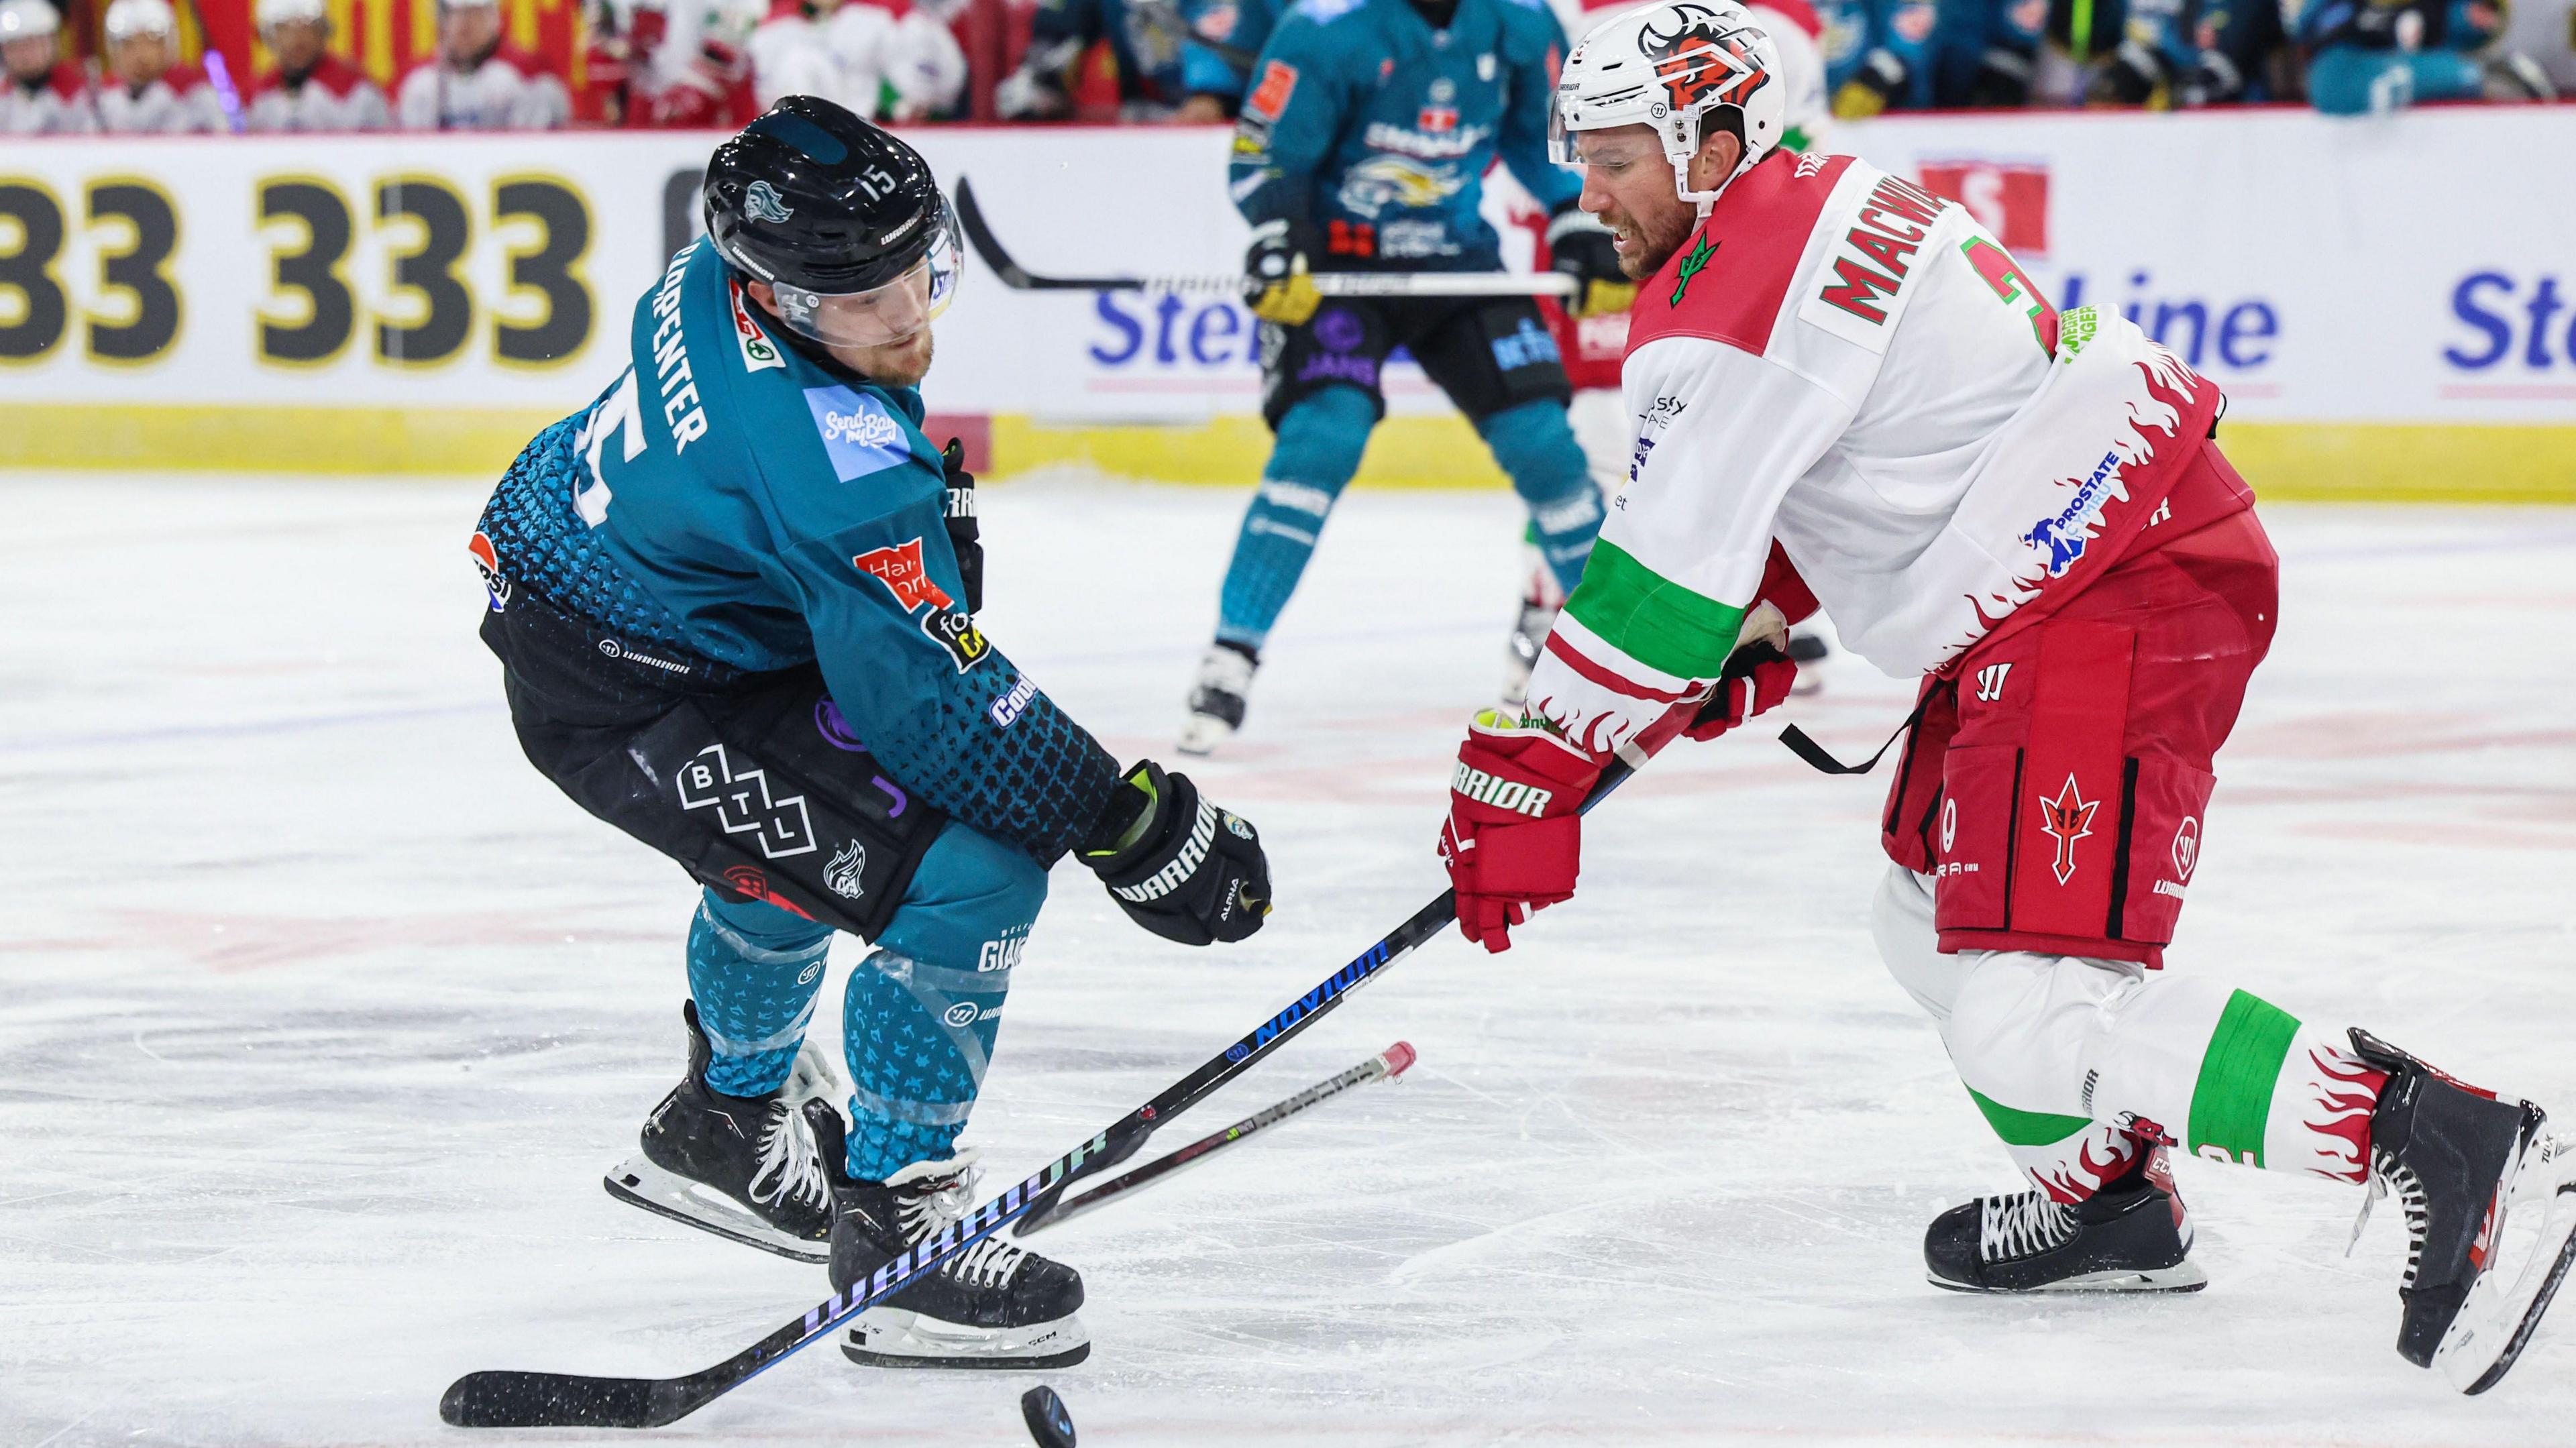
(890, 1337)
(2181, 1277)
(2497, 1322)
(640, 1183)
(1201, 734)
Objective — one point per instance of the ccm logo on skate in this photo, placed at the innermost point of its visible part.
(1193, 854)
(1502, 794)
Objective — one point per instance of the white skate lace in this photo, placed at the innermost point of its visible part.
(941, 1194)
(791, 1165)
(2022, 1225)
(2388, 1172)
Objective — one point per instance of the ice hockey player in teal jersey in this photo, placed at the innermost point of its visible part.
(1361, 147)
(734, 599)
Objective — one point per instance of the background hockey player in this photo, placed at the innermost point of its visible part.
(1177, 60)
(477, 82)
(1361, 147)
(310, 89)
(1843, 385)
(148, 90)
(735, 600)
(2380, 55)
(47, 95)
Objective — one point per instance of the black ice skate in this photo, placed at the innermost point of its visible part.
(1218, 696)
(2454, 1157)
(2131, 1236)
(990, 1306)
(1520, 653)
(747, 1168)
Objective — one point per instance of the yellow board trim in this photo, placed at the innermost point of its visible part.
(2323, 462)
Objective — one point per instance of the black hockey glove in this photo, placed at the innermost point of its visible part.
(1275, 271)
(1178, 865)
(1880, 77)
(1580, 246)
(964, 537)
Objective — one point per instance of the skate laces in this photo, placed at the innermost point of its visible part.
(791, 1165)
(2387, 1173)
(2022, 1225)
(930, 1195)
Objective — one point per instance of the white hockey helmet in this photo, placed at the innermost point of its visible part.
(1667, 66)
(127, 19)
(274, 13)
(27, 19)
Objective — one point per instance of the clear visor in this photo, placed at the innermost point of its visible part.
(1592, 146)
(882, 315)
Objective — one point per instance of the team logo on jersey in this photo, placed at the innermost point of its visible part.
(743, 804)
(1704, 57)
(764, 204)
(859, 435)
(1990, 682)
(842, 872)
(2066, 819)
(758, 352)
(1693, 261)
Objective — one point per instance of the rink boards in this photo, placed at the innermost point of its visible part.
(2390, 304)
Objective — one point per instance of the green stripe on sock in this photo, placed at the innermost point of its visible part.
(1652, 619)
(2232, 1101)
(2027, 1128)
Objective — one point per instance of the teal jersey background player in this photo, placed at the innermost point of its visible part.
(734, 599)
(1361, 146)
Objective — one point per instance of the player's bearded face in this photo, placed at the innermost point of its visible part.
(1628, 186)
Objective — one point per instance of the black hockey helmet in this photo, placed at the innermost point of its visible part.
(842, 219)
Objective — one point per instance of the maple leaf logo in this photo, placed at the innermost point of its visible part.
(2066, 819)
(1691, 264)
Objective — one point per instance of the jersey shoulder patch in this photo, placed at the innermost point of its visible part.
(1727, 283)
(1858, 287)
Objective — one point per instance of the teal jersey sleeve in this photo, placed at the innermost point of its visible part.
(784, 511)
(1291, 118)
(1533, 51)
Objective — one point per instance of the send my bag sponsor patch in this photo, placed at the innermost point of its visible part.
(860, 435)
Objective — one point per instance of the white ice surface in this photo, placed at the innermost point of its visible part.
(321, 1015)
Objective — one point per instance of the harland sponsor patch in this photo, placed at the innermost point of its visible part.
(1278, 83)
(1860, 290)
(899, 568)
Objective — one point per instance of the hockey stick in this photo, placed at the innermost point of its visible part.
(508, 1398)
(1386, 1065)
(1329, 284)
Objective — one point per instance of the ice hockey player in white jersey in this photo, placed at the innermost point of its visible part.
(45, 94)
(310, 89)
(148, 90)
(1844, 391)
(476, 82)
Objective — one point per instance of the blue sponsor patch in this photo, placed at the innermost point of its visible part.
(1529, 345)
(859, 434)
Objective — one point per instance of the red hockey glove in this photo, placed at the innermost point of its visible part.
(1513, 841)
(1757, 678)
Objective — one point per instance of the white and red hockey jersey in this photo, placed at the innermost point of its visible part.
(179, 101)
(334, 96)
(1844, 362)
(509, 90)
(54, 104)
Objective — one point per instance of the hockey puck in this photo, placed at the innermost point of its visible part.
(1049, 1423)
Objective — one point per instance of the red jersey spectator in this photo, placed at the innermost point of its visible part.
(46, 94)
(147, 90)
(474, 82)
(310, 89)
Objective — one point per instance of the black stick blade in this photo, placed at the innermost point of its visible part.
(505, 1399)
(988, 246)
